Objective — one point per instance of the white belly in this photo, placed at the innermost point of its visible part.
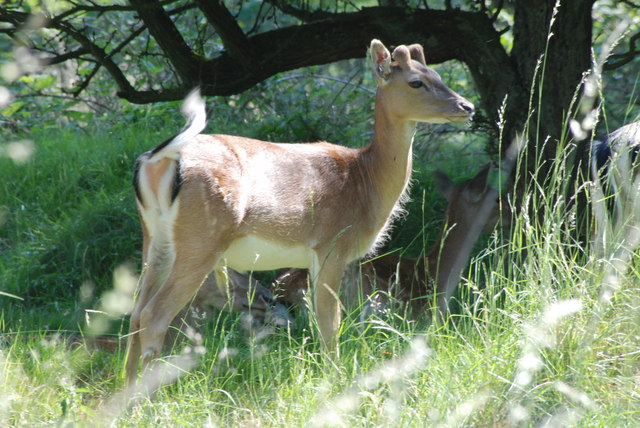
(252, 252)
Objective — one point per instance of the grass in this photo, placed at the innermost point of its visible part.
(535, 340)
(70, 220)
(520, 365)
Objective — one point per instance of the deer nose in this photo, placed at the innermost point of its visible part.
(467, 107)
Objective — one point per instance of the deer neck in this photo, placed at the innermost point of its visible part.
(451, 252)
(387, 160)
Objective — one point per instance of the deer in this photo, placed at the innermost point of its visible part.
(417, 282)
(227, 289)
(614, 170)
(231, 291)
(207, 202)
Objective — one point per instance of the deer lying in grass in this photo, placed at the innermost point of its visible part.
(209, 201)
(226, 289)
(615, 171)
(412, 281)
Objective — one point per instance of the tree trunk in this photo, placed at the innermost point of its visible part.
(551, 65)
(564, 52)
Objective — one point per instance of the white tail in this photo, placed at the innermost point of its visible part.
(416, 281)
(194, 110)
(220, 200)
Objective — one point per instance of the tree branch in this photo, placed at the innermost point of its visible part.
(83, 85)
(302, 15)
(234, 40)
(98, 53)
(618, 60)
(97, 105)
(630, 3)
(495, 15)
(13, 17)
(101, 9)
(57, 59)
(446, 35)
(186, 63)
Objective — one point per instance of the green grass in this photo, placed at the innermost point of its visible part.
(490, 368)
(70, 219)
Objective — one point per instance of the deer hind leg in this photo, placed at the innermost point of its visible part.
(327, 278)
(188, 272)
(177, 266)
(152, 278)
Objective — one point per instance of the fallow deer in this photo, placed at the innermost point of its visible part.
(412, 281)
(210, 201)
(226, 289)
(615, 172)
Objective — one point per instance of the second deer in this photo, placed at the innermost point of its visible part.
(617, 186)
(210, 201)
(226, 289)
(417, 282)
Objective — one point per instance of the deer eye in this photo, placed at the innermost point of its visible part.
(416, 84)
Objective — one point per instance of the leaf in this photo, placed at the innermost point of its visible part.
(43, 82)
(12, 109)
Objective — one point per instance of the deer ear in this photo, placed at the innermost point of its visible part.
(402, 56)
(444, 184)
(417, 53)
(380, 61)
(477, 186)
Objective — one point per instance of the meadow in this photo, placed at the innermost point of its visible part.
(544, 332)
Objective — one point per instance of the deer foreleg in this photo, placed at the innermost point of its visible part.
(327, 302)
